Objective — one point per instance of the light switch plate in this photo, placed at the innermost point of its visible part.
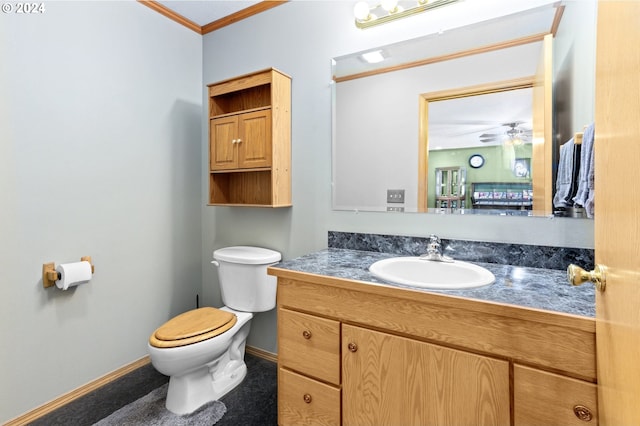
(395, 196)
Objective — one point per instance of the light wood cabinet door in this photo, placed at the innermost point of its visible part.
(241, 141)
(254, 139)
(222, 149)
(391, 380)
(541, 398)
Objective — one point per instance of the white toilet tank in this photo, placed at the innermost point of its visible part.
(244, 283)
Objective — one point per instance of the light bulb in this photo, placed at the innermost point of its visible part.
(389, 5)
(361, 11)
(373, 57)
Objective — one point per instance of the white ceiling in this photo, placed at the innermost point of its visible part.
(203, 12)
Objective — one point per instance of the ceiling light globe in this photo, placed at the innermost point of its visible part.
(361, 11)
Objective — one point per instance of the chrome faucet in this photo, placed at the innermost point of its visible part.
(434, 250)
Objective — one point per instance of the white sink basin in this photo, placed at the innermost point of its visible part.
(416, 272)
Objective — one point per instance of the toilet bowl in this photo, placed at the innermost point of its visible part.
(202, 350)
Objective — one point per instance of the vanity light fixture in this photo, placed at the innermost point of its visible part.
(389, 10)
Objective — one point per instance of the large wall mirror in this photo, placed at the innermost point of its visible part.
(469, 121)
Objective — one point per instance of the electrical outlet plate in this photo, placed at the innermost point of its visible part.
(395, 209)
(395, 196)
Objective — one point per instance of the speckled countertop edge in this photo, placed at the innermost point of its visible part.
(537, 288)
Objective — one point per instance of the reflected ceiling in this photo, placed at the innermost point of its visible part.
(535, 21)
(460, 123)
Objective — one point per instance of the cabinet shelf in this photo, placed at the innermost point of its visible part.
(252, 188)
(229, 114)
(257, 169)
(250, 140)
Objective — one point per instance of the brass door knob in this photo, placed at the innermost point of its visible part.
(577, 276)
(306, 334)
(352, 347)
(307, 398)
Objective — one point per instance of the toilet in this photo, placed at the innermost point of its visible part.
(202, 350)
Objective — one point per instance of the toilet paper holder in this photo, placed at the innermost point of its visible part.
(50, 275)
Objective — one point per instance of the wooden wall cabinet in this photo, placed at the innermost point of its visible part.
(357, 354)
(250, 140)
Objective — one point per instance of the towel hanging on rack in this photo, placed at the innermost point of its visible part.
(567, 177)
(585, 195)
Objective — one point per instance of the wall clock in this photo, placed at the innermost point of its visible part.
(476, 161)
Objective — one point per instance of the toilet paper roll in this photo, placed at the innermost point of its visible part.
(73, 274)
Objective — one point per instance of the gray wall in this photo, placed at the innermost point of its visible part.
(100, 116)
(574, 68)
(300, 38)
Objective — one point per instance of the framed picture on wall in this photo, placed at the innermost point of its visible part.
(521, 167)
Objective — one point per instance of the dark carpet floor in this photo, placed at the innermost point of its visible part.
(252, 403)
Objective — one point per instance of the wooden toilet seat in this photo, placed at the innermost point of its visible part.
(192, 327)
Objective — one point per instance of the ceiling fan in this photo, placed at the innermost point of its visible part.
(514, 135)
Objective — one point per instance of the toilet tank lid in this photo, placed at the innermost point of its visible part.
(247, 255)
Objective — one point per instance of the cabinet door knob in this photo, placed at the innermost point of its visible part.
(234, 140)
(583, 413)
(352, 347)
(239, 140)
(306, 334)
(307, 398)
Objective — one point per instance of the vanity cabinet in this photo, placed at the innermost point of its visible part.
(250, 140)
(353, 353)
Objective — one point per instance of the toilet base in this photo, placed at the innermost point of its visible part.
(189, 392)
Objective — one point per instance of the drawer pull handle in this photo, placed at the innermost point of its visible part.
(352, 347)
(307, 398)
(306, 334)
(583, 413)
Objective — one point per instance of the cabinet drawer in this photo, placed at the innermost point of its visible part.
(542, 398)
(304, 401)
(309, 344)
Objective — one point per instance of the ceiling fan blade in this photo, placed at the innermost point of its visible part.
(513, 124)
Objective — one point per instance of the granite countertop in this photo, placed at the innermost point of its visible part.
(536, 288)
